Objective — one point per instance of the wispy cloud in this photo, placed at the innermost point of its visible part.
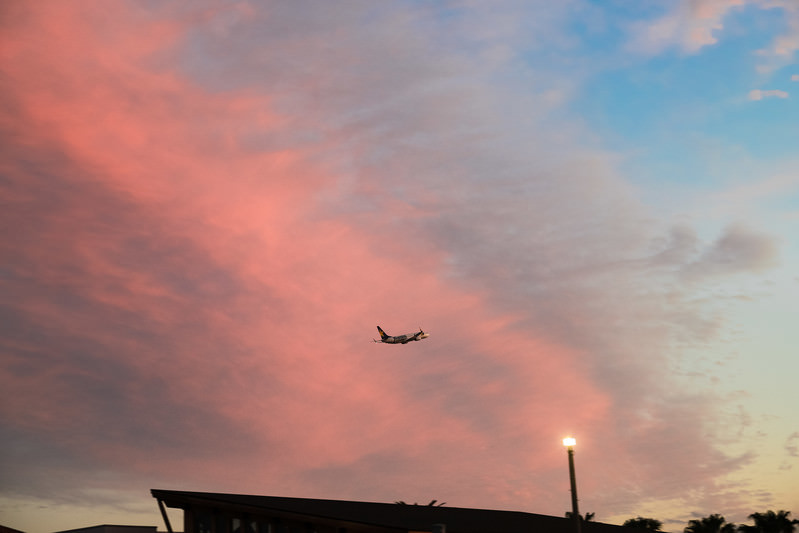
(737, 250)
(758, 94)
(791, 447)
(691, 25)
(782, 49)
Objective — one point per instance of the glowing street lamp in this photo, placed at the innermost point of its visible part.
(569, 442)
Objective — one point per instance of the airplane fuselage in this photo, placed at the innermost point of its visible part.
(401, 339)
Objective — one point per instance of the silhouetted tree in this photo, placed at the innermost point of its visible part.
(714, 523)
(770, 522)
(431, 504)
(643, 523)
(587, 518)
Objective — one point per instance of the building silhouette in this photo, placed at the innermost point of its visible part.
(238, 513)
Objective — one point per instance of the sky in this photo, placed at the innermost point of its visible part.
(207, 207)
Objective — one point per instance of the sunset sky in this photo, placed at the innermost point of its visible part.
(207, 207)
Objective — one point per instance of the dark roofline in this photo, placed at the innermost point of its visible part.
(388, 517)
(300, 509)
(106, 525)
(6, 529)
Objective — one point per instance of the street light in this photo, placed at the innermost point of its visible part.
(569, 442)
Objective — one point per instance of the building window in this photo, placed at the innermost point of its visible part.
(222, 524)
(202, 523)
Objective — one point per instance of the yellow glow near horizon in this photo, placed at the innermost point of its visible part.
(569, 441)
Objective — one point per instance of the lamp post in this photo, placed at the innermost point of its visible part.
(569, 442)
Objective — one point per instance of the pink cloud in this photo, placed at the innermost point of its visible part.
(153, 209)
(689, 26)
(201, 252)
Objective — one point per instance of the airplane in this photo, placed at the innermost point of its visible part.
(401, 339)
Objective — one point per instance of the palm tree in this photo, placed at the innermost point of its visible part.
(770, 522)
(431, 504)
(643, 523)
(714, 523)
(587, 518)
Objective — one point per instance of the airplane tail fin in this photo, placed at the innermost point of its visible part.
(382, 333)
